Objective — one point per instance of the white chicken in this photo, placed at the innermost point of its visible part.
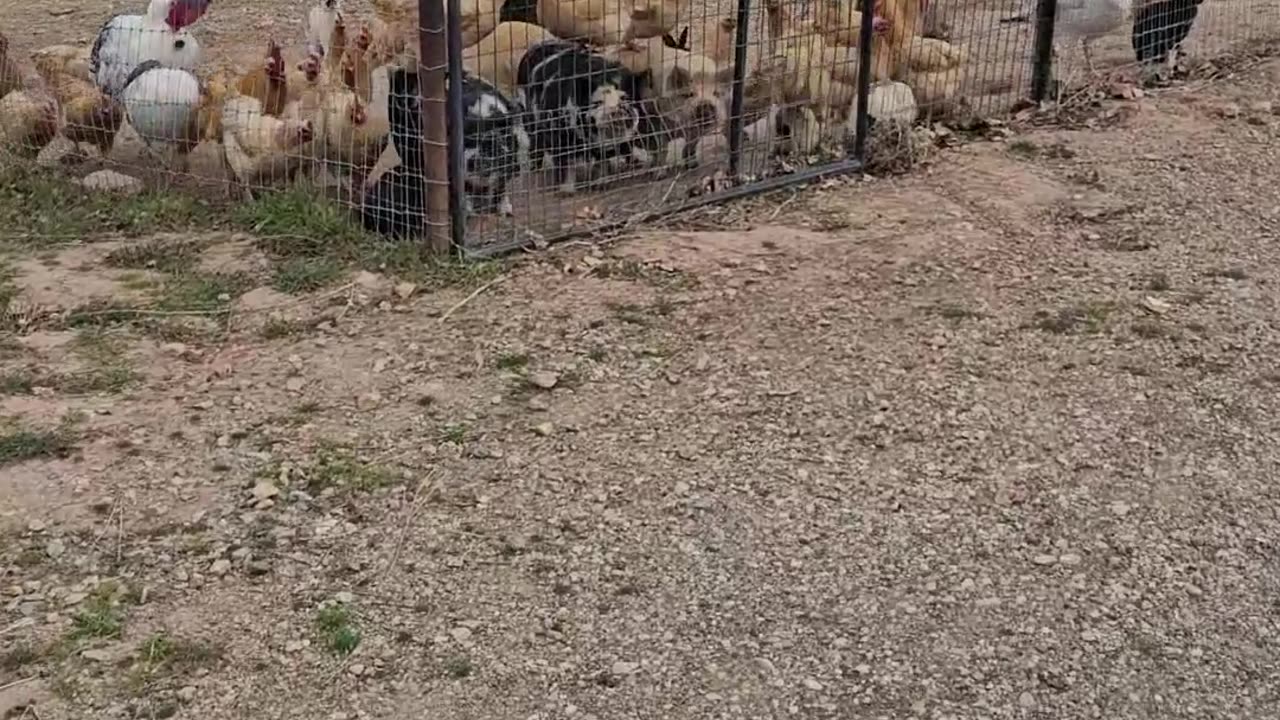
(164, 106)
(126, 41)
(1080, 20)
(258, 146)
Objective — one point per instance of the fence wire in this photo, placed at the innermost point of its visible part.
(498, 123)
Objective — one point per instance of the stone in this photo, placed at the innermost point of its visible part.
(187, 693)
(55, 549)
(112, 182)
(544, 379)
(220, 566)
(264, 490)
(621, 668)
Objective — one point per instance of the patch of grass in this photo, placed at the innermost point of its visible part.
(455, 433)
(100, 617)
(1024, 148)
(458, 667)
(338, 629)
(299, 223)
(511, 361)
(19, 444)
(163, 655)
(38, 205)
(202, 291)
(108, 379)
(306, 274)
(159, 255)
(1085, 317)
(337, 467)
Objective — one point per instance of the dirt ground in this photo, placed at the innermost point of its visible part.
(993, 440)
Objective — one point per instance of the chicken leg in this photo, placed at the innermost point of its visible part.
(1088, 55)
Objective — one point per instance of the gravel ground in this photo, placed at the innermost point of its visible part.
(993, 440)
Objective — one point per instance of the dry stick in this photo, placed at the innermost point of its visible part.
(19, 681)
(474, 294)
(17, 626)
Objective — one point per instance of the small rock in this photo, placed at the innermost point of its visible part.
(36, 525)
(1120, 508)
(1044, 559)
(96, 655)
(1228, 110)
(112, 181)
(369, 401)
(187, 693)
(621, 668)
(294, 646)
(812, 684)
(294, 384)
(461, 634)
(543, 379)
(1027, 700)
(1069, 559)
(405, 290)
(538, 404)
(220, 567)
(1265, 107)
(55, 549)
(356, 669)
(260, 299)
(74, 598)
(344, 597)
(544, 429)
(264, 490)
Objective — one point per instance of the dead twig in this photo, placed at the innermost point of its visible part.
(474, 294)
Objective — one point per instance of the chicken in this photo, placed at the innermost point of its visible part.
(797, 59)
(497, 56)
(260, 149)
(1082, 20)
(28, 121)
(71, 59)
(269, 84)
(1159, 27)
(349, 132)
(327, 34)
(607, 22)
(169, 108)
(88, 115)
(357, 69)
(126, 41)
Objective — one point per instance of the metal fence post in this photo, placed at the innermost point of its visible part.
(866, 36)
(741, 35)
(1042, 59)
(454, 109)
(432, 63)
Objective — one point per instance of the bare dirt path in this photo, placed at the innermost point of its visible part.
(996, 440)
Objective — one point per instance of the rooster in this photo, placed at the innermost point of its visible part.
(126, 41)
(1160, 27)
(257, 146)
(89, 115)
(1081, 20)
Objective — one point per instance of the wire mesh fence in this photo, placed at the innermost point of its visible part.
(493, 124)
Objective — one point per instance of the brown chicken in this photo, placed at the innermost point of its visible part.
(608, 22)
(28, 111)
(89, 116)
(70, 59)
(269, 84)
(357, 70)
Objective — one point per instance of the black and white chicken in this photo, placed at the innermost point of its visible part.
(1160, 27)
(127, 41)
